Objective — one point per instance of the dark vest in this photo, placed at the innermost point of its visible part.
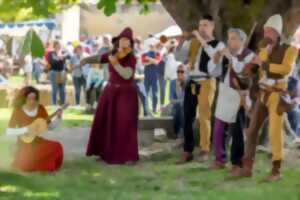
(276, 57)
(204, 58)
(242, 82)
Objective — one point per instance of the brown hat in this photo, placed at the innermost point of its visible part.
(126, 33)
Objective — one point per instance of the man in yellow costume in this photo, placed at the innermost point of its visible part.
(275, 60)
(200, 89)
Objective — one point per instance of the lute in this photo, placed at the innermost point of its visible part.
(39, 126)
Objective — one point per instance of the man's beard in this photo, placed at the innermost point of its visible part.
(269, 41)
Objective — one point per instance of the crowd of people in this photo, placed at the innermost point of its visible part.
(156, 66)
(230, 89)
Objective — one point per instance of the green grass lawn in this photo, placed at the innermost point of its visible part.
(157, 178)
(16, 80)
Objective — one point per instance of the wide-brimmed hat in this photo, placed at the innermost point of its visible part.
(126, 33)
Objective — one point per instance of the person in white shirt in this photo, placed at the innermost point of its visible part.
(28, 67)
(171, 64)
(161, 66)
(40, 154)
(202, 49)
(230, 112)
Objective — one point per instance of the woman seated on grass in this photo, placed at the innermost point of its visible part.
(40, 154)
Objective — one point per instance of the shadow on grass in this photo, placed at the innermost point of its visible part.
(84, 178)
(69, 123)
(24, 186)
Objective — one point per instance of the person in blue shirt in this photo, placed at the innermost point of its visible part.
(139, 77)
(78, 79)
(176, 99)
(151, 60)
(37, 69)
(294, 114)
(161, 71)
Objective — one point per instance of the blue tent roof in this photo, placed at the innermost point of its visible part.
(50, 24)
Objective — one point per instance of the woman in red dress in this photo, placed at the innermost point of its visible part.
(40, 154)
(113, 135)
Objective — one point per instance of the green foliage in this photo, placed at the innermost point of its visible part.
(145, 6)
(243, 16)
(26, 46)
(109, 6)
(15, 10)
(32, 45)
(128, 2)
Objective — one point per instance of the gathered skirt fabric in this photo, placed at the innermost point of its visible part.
(113, 136)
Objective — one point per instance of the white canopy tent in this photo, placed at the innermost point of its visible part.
(17, 30)
(150, 41)
(171, 31)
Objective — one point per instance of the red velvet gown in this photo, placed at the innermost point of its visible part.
(41, 154)
(113, 136)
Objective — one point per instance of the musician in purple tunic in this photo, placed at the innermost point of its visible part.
(233, 64)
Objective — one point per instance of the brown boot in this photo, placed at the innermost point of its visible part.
(275, 174)
(203, 156)
(245, 171)
(185, 158)
(217, 165)
(234, 169)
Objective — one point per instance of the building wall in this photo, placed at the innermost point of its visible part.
(94, 22)
(70, 24)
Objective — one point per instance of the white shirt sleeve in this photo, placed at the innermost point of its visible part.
(16, 131)
(215, 69)
(212, 67)
(171, 67)
(297, 100)
(89, 79)
(211, 51)
(238, 66)
(54, 124)
(248, 101)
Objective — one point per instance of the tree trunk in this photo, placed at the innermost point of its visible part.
(234, 13)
